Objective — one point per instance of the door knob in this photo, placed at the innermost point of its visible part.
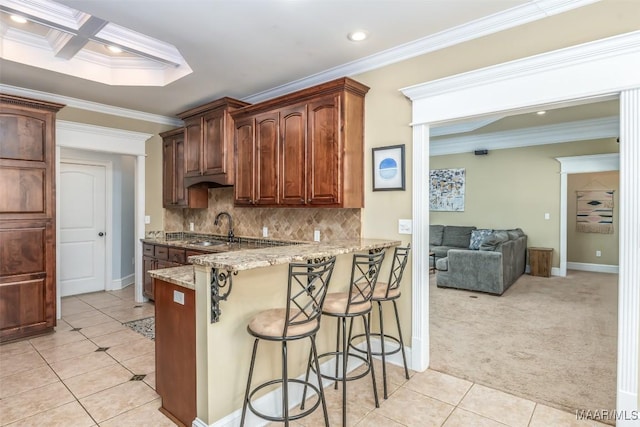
(101, 234)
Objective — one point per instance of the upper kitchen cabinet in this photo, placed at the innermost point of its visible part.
(208, 145)
(27, 217)
(303, 149)
(174, 193)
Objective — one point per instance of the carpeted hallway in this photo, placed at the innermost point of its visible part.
(552, 340)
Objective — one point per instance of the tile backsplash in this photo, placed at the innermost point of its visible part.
(283, 223)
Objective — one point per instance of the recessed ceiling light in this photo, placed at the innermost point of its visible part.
(114, 49)
(541, 113)
(19, 19)
(357, 36)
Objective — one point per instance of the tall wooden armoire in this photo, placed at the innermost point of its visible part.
(27, 217)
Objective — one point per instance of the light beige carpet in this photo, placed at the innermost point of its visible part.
(552, 340)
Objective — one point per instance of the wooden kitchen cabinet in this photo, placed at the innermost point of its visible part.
(208, 144)
(174, 193)
(258, 139)
(156, 257)
(176, 351)
(27, 217)
(302, 149)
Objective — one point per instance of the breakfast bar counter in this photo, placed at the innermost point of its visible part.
(229, 289)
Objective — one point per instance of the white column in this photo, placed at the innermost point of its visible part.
(629, 258)
(563, 224)
(139, 225)
(420, 248)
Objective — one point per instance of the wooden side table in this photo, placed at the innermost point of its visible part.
(540, 261)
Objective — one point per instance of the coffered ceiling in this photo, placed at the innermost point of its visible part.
(180, 53)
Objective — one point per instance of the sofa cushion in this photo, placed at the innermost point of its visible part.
(457, 236)
(435, 235)
(478, 236)
(441, 251)
(494, 240)
(442, 264)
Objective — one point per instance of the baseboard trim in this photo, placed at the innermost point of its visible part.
(271, 399)
(596, 268)
(122, 282)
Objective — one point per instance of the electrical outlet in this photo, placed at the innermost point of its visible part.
(178, 297)
(316, 235)
(598, 253)
(147, 219)
(265, 232)
(404, 226)
(133, 260)
(191, 226)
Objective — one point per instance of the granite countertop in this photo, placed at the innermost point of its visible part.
(182, 276)
(247, 259)
(265, 257)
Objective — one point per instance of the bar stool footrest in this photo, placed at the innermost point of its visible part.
(387, 338)
(291, 417)
(339, 378)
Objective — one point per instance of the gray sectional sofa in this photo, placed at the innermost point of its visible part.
(477, 259)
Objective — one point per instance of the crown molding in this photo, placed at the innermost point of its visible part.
(467, 126)
(66, 24)
(47, 12)
(91, 106)
(100, 138)
(141, 44)
(580, 130)
(519, 15)
(589, 163)
(562, 58)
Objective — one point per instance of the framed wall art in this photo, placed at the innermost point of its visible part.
(446, 190)
(388, 168)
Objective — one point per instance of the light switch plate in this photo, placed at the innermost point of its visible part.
(404, 226)
(147, 219)
(178, 297)
(316, 235)
(547, 216)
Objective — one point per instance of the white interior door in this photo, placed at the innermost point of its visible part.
(82, 228)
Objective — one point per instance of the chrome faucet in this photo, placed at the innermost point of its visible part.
(229, 220)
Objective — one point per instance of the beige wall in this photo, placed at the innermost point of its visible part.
(515, 187)
(582, 247)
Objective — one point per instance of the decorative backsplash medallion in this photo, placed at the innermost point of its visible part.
(283, 223)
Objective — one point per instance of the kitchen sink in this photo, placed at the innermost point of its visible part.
(207, 243)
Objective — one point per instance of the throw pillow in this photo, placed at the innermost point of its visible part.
(478, 236)
(492, 242)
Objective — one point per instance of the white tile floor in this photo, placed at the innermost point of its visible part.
(68, 379)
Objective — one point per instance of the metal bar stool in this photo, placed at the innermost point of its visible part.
(354, 303)
(389, 291)
(306, 293)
